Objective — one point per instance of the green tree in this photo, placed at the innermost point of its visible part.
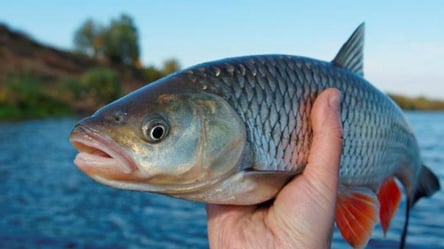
(88, 39)
(121, 41)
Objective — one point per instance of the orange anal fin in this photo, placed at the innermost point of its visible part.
(389, 197)
(356, 215)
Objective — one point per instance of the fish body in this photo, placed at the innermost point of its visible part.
(235, 131)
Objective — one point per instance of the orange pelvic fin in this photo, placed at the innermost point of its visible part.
(389, 196)
(356, 214)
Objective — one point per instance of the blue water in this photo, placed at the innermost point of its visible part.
(47, 203)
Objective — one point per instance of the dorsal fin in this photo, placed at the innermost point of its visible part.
(351, 54)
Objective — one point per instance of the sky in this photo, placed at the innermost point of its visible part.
(404, 46)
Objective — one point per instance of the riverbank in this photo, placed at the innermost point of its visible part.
(417, 103)
(40, 81)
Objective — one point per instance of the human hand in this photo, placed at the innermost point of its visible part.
(302, 214)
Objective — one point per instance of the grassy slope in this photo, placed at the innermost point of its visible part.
(39, 81)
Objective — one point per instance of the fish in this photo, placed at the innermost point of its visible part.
(236, 130)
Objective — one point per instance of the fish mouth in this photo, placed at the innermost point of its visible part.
(99, 155)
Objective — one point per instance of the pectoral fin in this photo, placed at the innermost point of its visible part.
(356, 214)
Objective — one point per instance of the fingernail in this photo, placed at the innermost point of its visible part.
(334, 101)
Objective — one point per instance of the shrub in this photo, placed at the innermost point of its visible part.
(21, 87)
(100, 85)
(25, 97)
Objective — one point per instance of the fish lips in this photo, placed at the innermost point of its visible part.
(100, 156)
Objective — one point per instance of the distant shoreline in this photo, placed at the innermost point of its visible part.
(56, 109)
(417, 103)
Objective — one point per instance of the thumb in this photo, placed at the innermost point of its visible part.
(310, 198)
(325, 152)
(321, 172)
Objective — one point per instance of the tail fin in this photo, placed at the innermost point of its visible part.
(428, 183)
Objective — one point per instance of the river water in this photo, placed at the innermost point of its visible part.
(47, 203)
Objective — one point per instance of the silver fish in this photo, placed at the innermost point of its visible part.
(234, 131)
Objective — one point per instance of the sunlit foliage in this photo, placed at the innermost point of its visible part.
(118, 42)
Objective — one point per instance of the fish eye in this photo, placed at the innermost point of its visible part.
(155, 129)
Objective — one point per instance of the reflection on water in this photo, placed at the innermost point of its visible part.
(46, 202)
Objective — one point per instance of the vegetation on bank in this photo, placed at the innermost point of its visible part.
(23, 95)
(40, 81)
(418, 103)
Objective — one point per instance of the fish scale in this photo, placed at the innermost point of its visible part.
(266, 120)
(274, 97)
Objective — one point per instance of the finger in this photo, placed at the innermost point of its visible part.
(321, 173)
(305, 206)
(325, 152)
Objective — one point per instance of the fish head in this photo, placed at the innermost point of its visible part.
(161, 138)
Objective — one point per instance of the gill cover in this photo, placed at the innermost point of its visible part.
(204, 145)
